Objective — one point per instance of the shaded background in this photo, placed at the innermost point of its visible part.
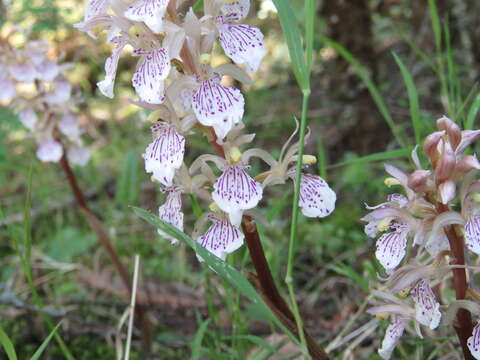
(334, 259)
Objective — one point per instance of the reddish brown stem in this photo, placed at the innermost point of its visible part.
(270, 293)
(463, 324)
(102, 236)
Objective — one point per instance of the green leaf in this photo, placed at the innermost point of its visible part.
(374, 92)
(128, 186)
(346, 270)
(412, 98)
(386, 155)
(221, 268)
(436, 25)
(197, 341)
(7, 345)
(294, 42)
(310, 15)
(472, 113)
(45, 343)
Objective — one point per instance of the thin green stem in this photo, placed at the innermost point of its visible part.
(293, 227)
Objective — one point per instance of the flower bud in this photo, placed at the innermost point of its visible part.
(309, 160)
(446, 163)
(418, 180)
(430, 145)
(452, 129)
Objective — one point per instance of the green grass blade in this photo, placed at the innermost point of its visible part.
(374, 92)
(197, 341)
(7, 345)
(472, 113)
(386, 155)
(128, 186)
(198, 5)
(294, 42)
(310, 15)
(45, 343)
(436, 24)
(221, 268)
(412, 99)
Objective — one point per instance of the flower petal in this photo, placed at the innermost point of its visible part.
(8, 89)
(61, 93)
(236, 10)
(392, 336)
(47, 70)
(152, 69)
(218, 106)
(24, 72)
(78, 155)
(427, 308)
(472, 234)
(473, 342)
(221, 238)
(171, 212)
(391, 247)
(95, 7)
(28, 118)
(317, 199)
(106, 86)
(235, 190)
(68, 125)
(151, 12)
(49, 151)
(242, 43)
(165, 153)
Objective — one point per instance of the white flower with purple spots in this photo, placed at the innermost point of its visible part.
(472, 234)
(152, 69)
(171, 211)
(218, 106)
(317, 199)
(473, 342)
(106, 86)
(391, 246)
(235, 191)
(49, 151)
(392, 336)
(427, 308)
(221, 238)
(241, 43)
(151, 12)
(165, 154)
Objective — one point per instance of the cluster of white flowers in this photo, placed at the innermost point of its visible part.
(174, 78)
(426, 215)
(34, 86)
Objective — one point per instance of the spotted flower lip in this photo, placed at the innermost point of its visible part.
(165, 154)
(218, 106)
(235, 191)
(427, 308)
(317, 199)
(221, 238)
(171, 211)
(391, 246)
(473, 342)
(151, 12)
(392, 336)
(106, 86)
(148, 80)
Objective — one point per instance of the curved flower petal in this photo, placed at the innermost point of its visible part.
(235, 10)
(427, 308)
(95, 7)
(317, 199)
(171, 212)
(68, 125)
(391, 247)
(218, 106)
(392, 336)
(242, 43)
(24, 72)
(152, 69)
(106, 86)
(28, 118)
(151, 12)
(49, 151)
(221, 238)
(371, 229)
(472, 234)
(473, 342)
(165, 153)
(235, 191)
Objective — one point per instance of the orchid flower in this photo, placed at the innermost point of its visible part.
(171, 211)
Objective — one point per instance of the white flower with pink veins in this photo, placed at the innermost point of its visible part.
(171, 211)
(218, 106)
(151, 12)
(165, 154)
(221, 238)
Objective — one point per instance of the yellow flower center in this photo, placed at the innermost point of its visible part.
(309, 160)
(390, 181)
